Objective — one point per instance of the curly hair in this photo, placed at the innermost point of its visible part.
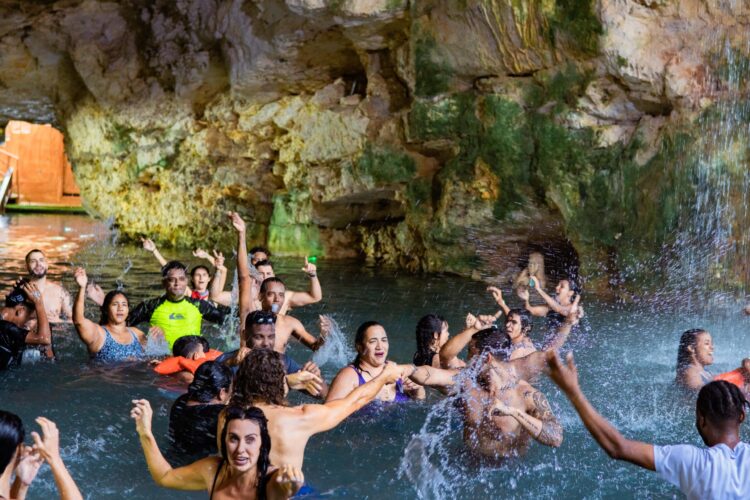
(260, 378)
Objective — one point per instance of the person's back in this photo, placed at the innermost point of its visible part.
(192, 427)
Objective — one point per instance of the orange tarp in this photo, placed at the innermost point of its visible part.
(42, 174)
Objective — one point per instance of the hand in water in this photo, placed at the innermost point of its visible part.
(48, 445)
(156, 332)
(305, 381)
(565, 375)
(291, 479)
(309, 268)
(200, 253)
(497, 294)
(81, 278)
(218, 259)
(148, 245)
(142, 414)
(28, 465)
(237, 221)
(32, 292)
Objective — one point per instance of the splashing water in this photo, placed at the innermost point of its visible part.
(335, 351)
(156, 346)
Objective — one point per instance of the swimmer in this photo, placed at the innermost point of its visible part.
(24, 461)
(259, 253)
(261, 382)
(557, 308)
(518, 326)
(21, 305)
(195, 415)
(432, 334)
(189, 352)
(721, 471)
(371, 342)
(535, 270)
(56, 298)
(694, 353)
(111, 339)
(272, 298)
(242, 471)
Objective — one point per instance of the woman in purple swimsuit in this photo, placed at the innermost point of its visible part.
(111, 339)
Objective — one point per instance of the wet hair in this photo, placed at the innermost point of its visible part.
(526, 324)
(267, 282)
(200, 266)
(257, 249)
(188, 344)
(259, 317)
(494, 341)
(359, 338)
(264, 457)
(104, 308)
(17, 297)
(573, 285)
(28, 255)
(172, 264)
(11, 435)
(210, 378)
(427, 326)
(721, 403)
(689, 338)
(260, 378)
(264, 262)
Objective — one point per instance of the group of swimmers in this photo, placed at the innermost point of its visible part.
(235, 414)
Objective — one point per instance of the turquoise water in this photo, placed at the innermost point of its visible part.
(625, 356)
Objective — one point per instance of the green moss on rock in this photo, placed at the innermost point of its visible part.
(386, 165)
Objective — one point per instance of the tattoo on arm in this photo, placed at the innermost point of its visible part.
(552, 431)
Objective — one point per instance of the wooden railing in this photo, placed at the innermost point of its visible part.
(8, 165)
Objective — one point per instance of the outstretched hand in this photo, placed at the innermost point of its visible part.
(237, 222)
(305, 381)
(142, 414)
(200, 253)
(290, 480)
(565, 375)
(48, 444)
(497, 294)
(81, 278)
(148, 245)
(28, 465)
(309, 268)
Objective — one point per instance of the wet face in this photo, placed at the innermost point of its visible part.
(262, 336)
(704, 349)
(243, 444)
(266, 272)
(118, 310)
(440, 338)
(374, 349)
(36, 265)
(19, 315)
(513, 327)
(563, 292)
(201, 278)
(175, 283)
(257, 257)
(273, 298)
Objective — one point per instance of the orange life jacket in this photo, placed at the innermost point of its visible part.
(175, 364)
(734, 377)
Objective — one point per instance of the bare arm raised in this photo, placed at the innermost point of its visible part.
(88, 331)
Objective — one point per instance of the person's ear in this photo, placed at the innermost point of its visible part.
(742, 417)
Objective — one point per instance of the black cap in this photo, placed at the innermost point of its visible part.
(17, 297)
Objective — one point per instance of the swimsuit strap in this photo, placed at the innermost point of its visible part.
(359, 374)
(135, 337)
(216, 476)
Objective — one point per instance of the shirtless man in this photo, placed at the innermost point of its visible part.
(56, 298)
(272, 298)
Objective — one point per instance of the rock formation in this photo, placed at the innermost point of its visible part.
(443, 135)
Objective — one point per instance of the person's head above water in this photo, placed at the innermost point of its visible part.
(246, 443)
(258, 254)
(260, 330)
(719, 410)
(696, 348)
(265, 269)
(114, 309)
(200, 277)
(212, 381)
(432, 334)
(36, 264)
(190, 347)
(371, 342)
(18, 308)
(567, 290)
(174, 279)
(12, 435)
(491, 340)
(517, 323)
(260, 379)
(272, 294)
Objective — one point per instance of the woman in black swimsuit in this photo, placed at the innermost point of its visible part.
(242, 471)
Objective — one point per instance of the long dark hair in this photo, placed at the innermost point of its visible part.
(210, 378)
(427, 326)
(11, 435)
(260, 378)
(688, 339)
(264, 457)
(359, 338)
(104, 318)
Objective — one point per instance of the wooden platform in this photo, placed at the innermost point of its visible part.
(42, 175)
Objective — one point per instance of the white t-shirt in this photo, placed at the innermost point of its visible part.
(706, 473)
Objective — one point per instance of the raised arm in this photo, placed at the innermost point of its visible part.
(87, 330)
(150, 246)
(42, 335)
(183, 478)
(433, 377)
(497, 294)
(216, 290)
(202, 254)
(320, 418)
(48, 446)
(608, 437)
(456, 344)
(315, 294)
(308, 339)
(243, 268)
(551, 303)
(534, 310)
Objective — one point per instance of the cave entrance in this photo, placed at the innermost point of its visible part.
(34, 170)
(560, 260)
